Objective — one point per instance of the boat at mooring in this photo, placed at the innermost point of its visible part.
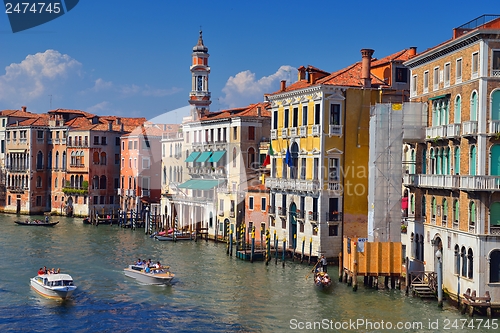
(56, 286)
(147, 275)
(37, 223)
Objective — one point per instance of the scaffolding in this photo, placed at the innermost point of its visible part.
(390, 126)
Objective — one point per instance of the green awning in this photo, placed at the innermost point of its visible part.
(204, 156)
(216, 156)
(439, 97)
(199, 184)
(192, 156)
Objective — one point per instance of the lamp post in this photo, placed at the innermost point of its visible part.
(439, 277)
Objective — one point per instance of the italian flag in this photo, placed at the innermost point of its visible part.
(270, 153)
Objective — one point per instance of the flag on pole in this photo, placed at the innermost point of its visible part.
(288, 157)
(270, 152)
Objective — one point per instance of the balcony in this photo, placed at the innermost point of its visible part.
(293, 184)
(494, 127)
(472, 228)
(335, 130)
(284, 133)
(221, 213)
(495, 72)
(293, 132)
(303, 131)
(313, 216)
(282, 211)
(334, 186)
(300, 214)
(16, 189)
(434, 181)
(315, 130)
(119, 191)
(435, 132)
(495, 230)
(409, 180)
(333, 216)
(231, 214)
(145, 193)
(469, 128)
(274, 134)
(480, 183)
(453, 130)
(130, 193)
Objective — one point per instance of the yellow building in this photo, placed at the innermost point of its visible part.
(320, 138)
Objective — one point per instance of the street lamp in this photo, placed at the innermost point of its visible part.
(439, 277)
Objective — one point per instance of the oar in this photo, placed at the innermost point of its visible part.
(307, 276)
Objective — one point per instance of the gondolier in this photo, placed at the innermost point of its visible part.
(324, 263)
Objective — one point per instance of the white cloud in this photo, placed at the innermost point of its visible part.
(100, 85)
(32, 77)
(99, 108)
(244, 89)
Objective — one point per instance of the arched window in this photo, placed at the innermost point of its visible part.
(164, 175)
(456, 212)
(72, 158)
(457, 259)
(432, 162)
(57, 160)
(38, 181)
(421, 256)
(472, 216)
(103, 158)
(423, 206)
(81, 181)
(495, 105)
(463, 254)
(234, 156)
(49, 160)
(72, 181)
(473, 106)
(458, 110)
(102, 184)
(95, 182)
(39, 160)
(445, 211)
(63, 165)
(55, 183)
(95, 157)
(456, 166)
(446, 161)
(412, 162)
(495, 266)
(412, 204)
(434, 209)
(472, 161)
(424, 164)
(251, 157)
(470, 264)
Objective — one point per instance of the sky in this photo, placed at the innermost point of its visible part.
(132, 57)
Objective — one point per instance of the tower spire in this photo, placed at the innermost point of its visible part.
(199, 97)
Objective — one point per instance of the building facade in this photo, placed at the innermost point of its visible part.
(453, 178)
(320, 138)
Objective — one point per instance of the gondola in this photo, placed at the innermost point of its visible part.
(86, 221)
(37, 223)
(322, 280)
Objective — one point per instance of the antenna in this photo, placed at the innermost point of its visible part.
(50, 102)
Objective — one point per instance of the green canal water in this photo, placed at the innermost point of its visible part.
(212, 292)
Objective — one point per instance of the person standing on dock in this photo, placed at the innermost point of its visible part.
(324, 263)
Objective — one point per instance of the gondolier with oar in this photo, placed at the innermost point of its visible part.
(324, 263)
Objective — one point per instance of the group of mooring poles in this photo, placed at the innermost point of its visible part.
(270, 246)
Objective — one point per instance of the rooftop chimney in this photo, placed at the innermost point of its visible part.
(413, 51)
(110, 125)
(302, 73)
(258, 111)
(366, 63)
(118, 121)
(283, 85)
(23, 108)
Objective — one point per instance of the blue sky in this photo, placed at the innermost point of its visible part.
(132, 57)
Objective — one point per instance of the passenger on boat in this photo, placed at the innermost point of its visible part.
(58, 271)
(139, 262)
(44, 270)
(46, 219)
(41, 271)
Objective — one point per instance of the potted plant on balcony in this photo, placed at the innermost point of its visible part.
(310, 215)
(404, 228)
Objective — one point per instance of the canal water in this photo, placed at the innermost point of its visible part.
(212, 292)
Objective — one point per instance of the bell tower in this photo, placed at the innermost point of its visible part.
(199, 97)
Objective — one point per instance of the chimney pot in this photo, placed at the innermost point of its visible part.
(366, 60)
(118, 121)
(23, 108)
(283, 85)
(413, 51)
(258, 111)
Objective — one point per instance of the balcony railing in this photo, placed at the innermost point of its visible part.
(495, 72)
(315, 130)
(333, 216)
(334, 186)
(145, 193)
(472, 229)
(313, 216)
(271, 210)
(274, 135)
(231, 214)
(293, 184)
(281, 211)
(284, 132)
(300, 214)
(453, 130)
(335, 130)
(303, 131)
(469, 128)
(480, 183)
(439, 181)
(293, 132)
(494, 127)
(495, 229)
(435, 132)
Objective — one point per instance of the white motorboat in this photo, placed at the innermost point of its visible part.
(58, 286)
(153, 276)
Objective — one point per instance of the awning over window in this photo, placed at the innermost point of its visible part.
(204, 156)
(192, 156)
(216, 156)
(199, 184)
